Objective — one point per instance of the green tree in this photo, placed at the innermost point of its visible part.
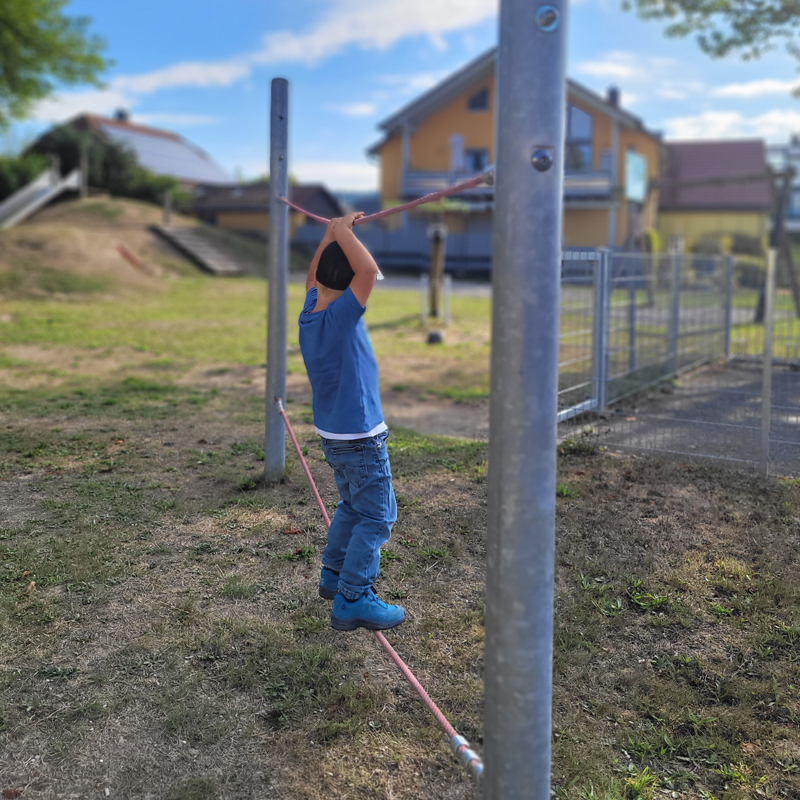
(39, 47)
(747, 27)
(16, 171)
(112, 166)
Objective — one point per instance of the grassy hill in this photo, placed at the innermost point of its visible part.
(73, 248)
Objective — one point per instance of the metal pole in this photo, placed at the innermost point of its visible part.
(766, 380)
(600, 328)
(277, 275)
(675, 313)
(728, 306)
(524, 388)
(632, 328)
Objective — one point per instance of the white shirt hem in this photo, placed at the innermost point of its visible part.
(347, 436)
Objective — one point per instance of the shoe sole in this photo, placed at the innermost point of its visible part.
(352, 624)
(327, 594)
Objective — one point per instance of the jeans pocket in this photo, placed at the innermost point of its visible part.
(348, 462)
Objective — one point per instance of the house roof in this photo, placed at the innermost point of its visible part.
(255, 197)
(483, 67)
(691, 163)
(162, 152)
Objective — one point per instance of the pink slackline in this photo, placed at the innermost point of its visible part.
(428, 198)
(460, 746)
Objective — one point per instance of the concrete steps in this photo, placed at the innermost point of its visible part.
(205, 254)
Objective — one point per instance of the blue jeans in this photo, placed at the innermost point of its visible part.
(365, 514)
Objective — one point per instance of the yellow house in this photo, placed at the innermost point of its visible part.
(448, 134)
(701, 198)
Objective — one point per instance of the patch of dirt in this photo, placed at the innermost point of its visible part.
(81, 238)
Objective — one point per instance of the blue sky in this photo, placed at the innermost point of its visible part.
(203, 68)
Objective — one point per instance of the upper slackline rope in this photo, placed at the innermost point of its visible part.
(485, 177)
(469, 759)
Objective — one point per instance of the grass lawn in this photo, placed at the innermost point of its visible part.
(162, 634)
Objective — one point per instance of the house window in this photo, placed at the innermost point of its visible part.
(578, 151)
(476, 160)
(479, 101)
(794, 202)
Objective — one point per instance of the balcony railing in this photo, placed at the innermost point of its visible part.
(577, 185)
(587, 184)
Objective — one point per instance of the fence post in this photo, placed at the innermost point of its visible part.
(520, 557)
(766, 379)
(602, 296)
(448, 294)
(728, 306)
(673, 335)
(277, 276)
(632, 328)
(423, 297)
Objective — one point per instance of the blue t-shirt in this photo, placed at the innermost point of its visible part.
(341, 367)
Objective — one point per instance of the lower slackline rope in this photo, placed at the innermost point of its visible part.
(469, 759)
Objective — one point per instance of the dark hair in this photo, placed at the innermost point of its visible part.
(334, 270)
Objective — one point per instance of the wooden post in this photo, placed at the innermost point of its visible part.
(437, 233)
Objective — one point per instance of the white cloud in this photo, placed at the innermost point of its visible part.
(651, 75)
(775, 125)
(751, 89)
(617, 65)
(353, 109)
(59, 107)
(375, 25)
(355, 176)
(189, 73)
(176, 119)
(413, 83)
(671, 93)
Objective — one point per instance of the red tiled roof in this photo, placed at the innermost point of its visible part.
(94, 121)
(692, 162)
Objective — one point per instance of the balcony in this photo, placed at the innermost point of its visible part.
(578, 186)
(587, 185)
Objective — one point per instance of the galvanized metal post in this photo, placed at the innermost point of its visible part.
(728, 306)
(524, 388)
(277, 276)
(766, 379)
(632, 328)
(602, 295)
(674, 335)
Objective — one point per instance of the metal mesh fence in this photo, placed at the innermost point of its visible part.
(690, 330)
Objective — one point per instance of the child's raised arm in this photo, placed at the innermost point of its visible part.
(327, 238)
(362, 263)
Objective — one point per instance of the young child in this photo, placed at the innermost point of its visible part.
(347, 415)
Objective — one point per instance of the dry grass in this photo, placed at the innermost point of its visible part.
(162, 635)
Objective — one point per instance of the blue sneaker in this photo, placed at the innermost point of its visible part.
(328, 583)
(369, 611)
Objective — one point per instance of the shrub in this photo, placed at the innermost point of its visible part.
(17, 171)
(112, 166)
